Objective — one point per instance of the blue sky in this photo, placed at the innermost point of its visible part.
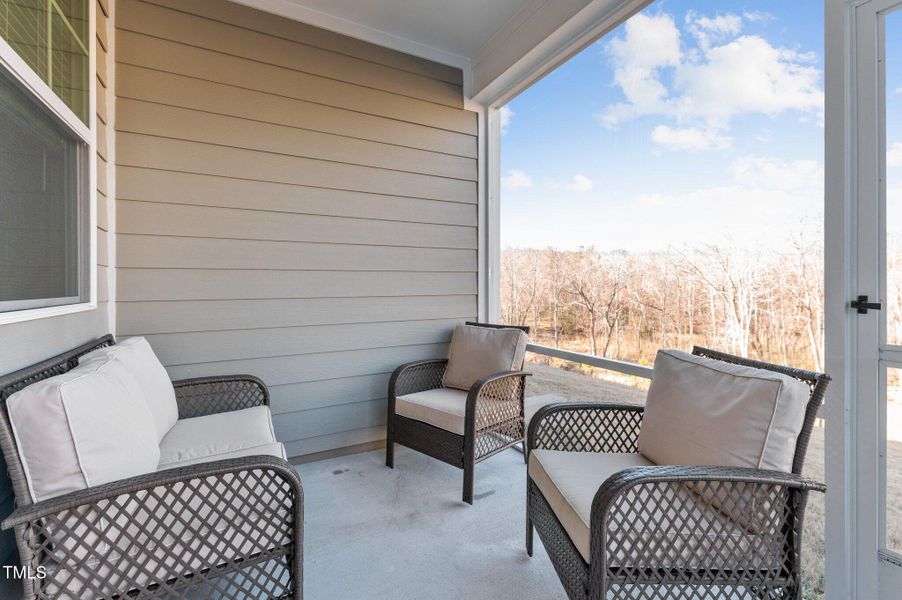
(894, 124)
(694, 122)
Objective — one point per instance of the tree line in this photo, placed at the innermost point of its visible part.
(766, 305)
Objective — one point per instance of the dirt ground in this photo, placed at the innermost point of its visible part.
(577, 386)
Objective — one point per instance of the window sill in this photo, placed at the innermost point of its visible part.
(31, 314)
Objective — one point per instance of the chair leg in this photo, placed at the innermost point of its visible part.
(525, 455)
(529, 534)
(389, 447)
(468, 482)
(389, 454)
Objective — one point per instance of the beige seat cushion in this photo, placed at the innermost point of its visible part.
(442, 407)
(569, 481)
(138, 357)
(276, 449)
(84, 428)
(478, 352)
(660, 533)
(198, 438)
(702, 411)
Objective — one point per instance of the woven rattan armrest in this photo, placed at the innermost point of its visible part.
(167, 477)
(494, 397)
(202, 396)
(123, 523)
(417, 376)
(586, 427)
(749, 521)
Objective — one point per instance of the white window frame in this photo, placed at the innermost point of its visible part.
(24, 75)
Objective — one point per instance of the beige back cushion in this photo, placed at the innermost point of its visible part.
(138, 358)
(702, 411)
(478, 352)
(84, 428)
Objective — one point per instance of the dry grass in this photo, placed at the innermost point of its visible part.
(577, 386)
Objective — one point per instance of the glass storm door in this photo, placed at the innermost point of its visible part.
(877, 467)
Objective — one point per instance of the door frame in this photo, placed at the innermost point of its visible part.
(852, 140)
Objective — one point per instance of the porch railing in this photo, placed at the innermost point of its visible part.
(610, 364)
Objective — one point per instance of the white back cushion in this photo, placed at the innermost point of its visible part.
(478, 352)
(138, 357)
(702, 411)
(87, 427)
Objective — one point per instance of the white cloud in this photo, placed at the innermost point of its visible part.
(712, 29)
(898, 90)
(689, 138)
(580, 184)
(894, 156)
(758, 16)
(771, 173)
(516, 180)
(727, 76)
(650, 44)
(505, 115)
(747, 75)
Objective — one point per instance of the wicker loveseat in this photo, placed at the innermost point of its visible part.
(220, 515)
(667, 501)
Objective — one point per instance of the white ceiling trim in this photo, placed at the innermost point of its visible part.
(304, 14)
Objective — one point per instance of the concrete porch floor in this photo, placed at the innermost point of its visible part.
(404, 534)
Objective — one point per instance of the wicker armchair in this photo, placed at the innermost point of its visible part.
(493, 419)
(173, 533)
(695, 549)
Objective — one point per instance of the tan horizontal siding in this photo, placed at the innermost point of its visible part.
(290, 203)
(100, 50)
(218, 346)
(210, 253)
(330, 420)
(313, 367)
(140, 318)
(344, 439)
(292, 397)
(154, 185)
(194, 157)
(198, 94)
(187, 124)
(313, 36)
(233, 284)
(171, 57)
(103, 216)
(233, 223)
(177, 26)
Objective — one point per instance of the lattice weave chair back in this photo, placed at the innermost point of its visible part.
(17, 380)
(817, 383)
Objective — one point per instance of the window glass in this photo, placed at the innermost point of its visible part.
(55, 48)
(40, 190)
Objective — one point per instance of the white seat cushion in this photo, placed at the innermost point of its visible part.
(661, 532)
(569, 481)
(138, 357)
(276, 449)
(702, 411)
(478, 352)
(442, 407)
(84, 428)
(193, 440)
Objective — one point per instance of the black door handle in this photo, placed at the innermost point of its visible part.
(862, 305)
